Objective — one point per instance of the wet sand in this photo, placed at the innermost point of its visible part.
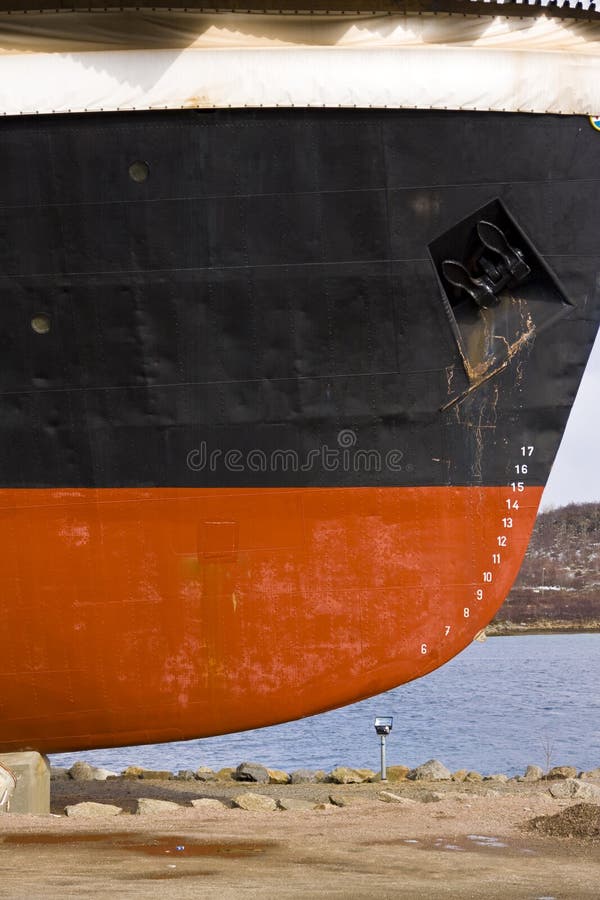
(469, 844)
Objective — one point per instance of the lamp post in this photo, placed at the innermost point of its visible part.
(383, 726)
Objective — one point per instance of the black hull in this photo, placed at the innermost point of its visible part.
(272, 286)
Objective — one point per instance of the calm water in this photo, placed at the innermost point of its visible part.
(494, 708)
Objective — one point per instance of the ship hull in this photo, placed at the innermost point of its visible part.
(259, 458)
(186, 613)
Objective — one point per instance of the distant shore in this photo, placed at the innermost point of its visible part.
(541, 626)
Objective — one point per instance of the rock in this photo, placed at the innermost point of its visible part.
(103, 774)
(337, 800)
(276, 776)
(225, 774)
(572, 788)
(81, 771)
(460, 775)
(205, 773)
(473, 777)
(147, 806)
(291, 804)
(133, 772)
(498, 779)
(592, 775)
(345, 775)
(59, 774)
(561, 772)
(533, 773)
(185, 775)
(303, 776)
(429, 797)
(397, 773)
(208, 803)
(321, 776)
(92, 810)
(368, 774)
(254, 802)
(433, 770)
(156, 775)
(390, 797)
(248, 771)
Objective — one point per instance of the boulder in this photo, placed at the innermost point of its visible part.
(533, 773)
(473, 777)
(303, 776)
(397, 773)
(225, 774)
(460, 775)
(255, 802)
(205, 773)
(429, 797)
(573, 788)
(291, 804)
(57, 773)
(563, 772)
(249, 771)
(156, 775)
(208, 803)
(497, 779)
(185, 775)
(592, 775)
(103, 774)
(346, 775)
(133, 772)
(390, 797)
(81, 771)
(277, 776)
(433, 770)
(337, 800)
(147, 806)
(92, 810)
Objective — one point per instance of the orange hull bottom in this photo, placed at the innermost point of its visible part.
(143, 615)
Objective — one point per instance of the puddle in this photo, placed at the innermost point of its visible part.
(483, 840)
(455, 844)
(170, 847)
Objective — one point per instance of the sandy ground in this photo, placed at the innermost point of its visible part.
(470, 844)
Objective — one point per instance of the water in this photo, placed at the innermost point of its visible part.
(497, 707)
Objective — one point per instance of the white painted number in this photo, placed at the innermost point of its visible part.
(479, 594)
(466, 612)
(501, 540)
(487, 576)
(423, 648)
(527, 451)
(447, 630)
(517, 486)
(507, 522)
(496, 559)
(521, 469)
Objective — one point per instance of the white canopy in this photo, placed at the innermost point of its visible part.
(74, 62)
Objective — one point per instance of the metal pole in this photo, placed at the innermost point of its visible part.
(383, 766)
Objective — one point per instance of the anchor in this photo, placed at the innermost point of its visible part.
(509, 271)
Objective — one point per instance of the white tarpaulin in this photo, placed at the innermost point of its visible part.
(71, 62)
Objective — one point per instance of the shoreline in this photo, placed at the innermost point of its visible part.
(537, 628)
